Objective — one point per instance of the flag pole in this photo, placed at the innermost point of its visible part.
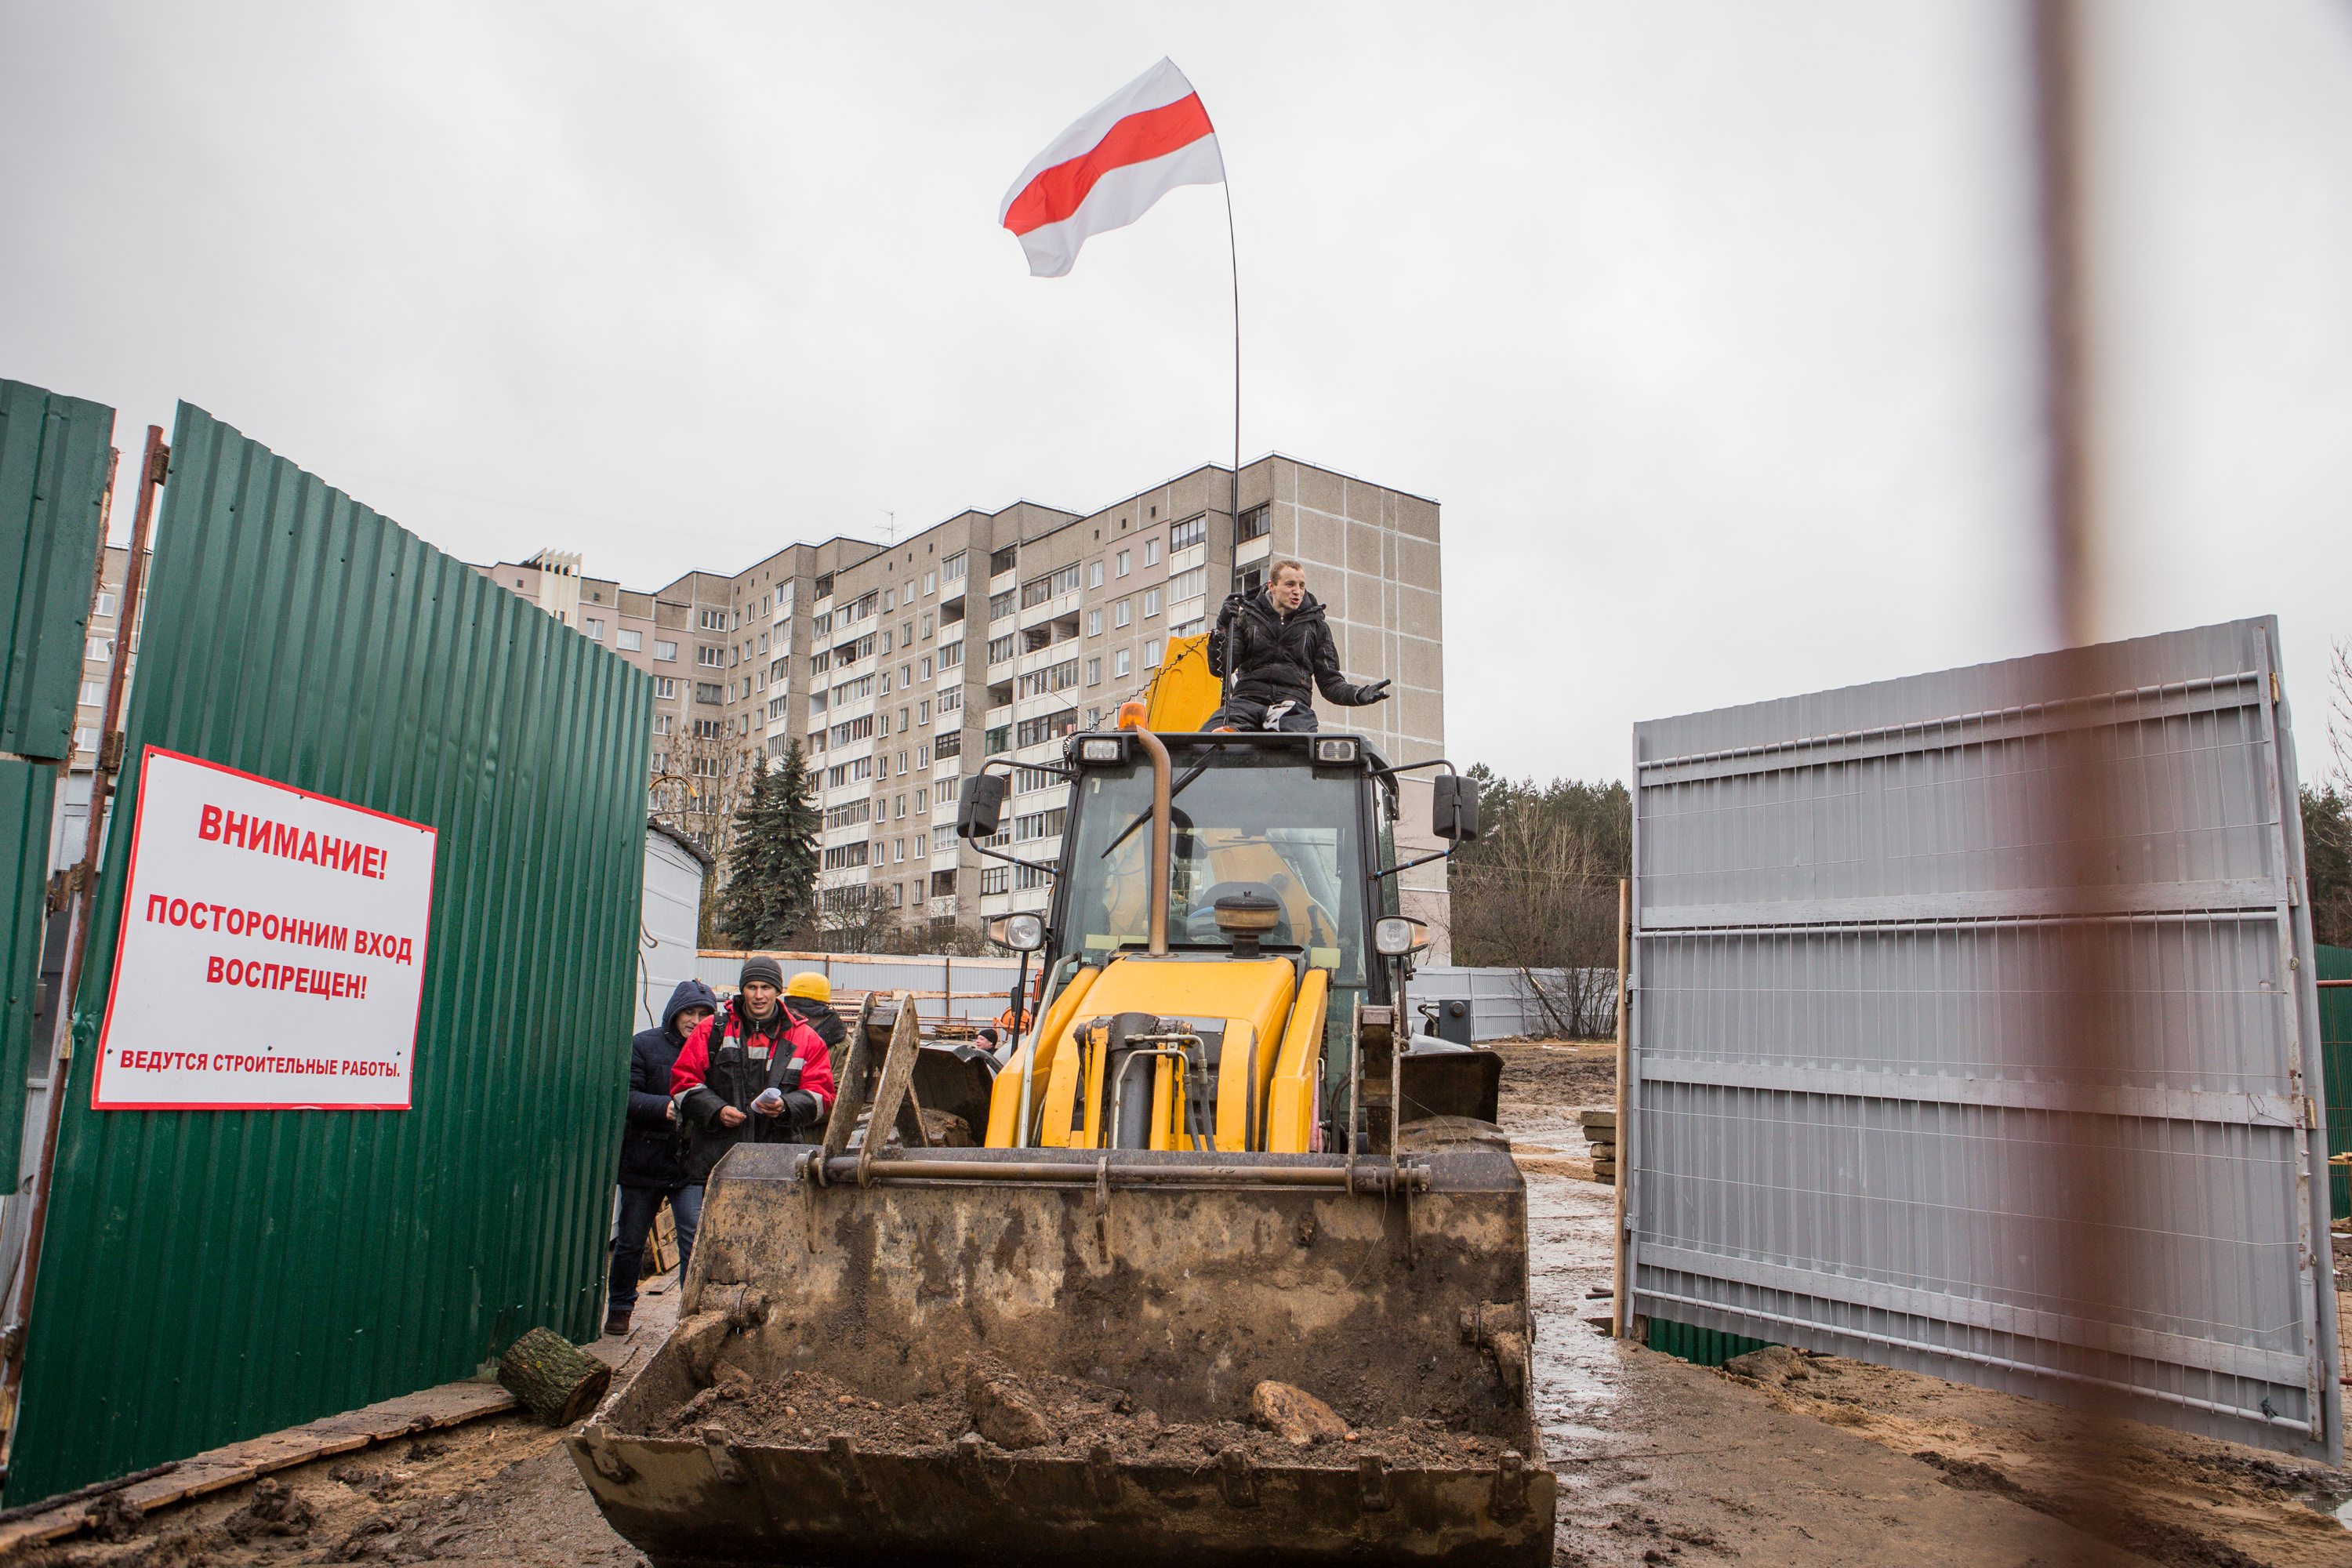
(1234, 255)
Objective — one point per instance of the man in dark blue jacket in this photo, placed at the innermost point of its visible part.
(653, 1154)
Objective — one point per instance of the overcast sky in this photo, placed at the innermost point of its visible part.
(1708, 323)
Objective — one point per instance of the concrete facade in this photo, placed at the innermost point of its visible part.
(901, 670)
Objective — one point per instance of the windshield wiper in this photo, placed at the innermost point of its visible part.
(1196, 770)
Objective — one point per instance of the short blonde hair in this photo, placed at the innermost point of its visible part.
(1274, 573)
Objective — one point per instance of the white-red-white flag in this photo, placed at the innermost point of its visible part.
(1105, 171)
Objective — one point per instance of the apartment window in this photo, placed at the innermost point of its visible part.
(1094, 622)
(822, 586)
(712, 620)
(100, 649)
(707, 692)
(93, 693)
(1041, 825)
(106, 603)
(1151, 654)
(843, 857)
(1185, 535)
(1119, 566)
(1151, 553)
(1052, 726)
(710, 657)
(1094, 575)
(1256, 523)
(664, 652)
(885, 683)
(1000, 605)
(1000, 648)
(948, 745)
(666, 686)
(930, 584)
(775, 707)
(1188, 585)
(996, 741)
(1001, 561)
(629, 642)
(1094, 717)
(902, 764)
(946, 791)
(1054, 677)
(943, 838)
(594, 628)
(1122, 613)
(1094, 672)
(951, 569)
(994, 880)
(706, 729)
(1027, 876)
(951, 700)
(1122, 663)
(927, 625)
(925, 666)
(661, 723)
(885, 642)
(902, 721)
(1151, 603)
(1249, 581)
(704, 768)
(889, 600)
(661, 762)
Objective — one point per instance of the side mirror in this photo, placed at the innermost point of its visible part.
(1452, 807)
(1395, 936)
(981, 812)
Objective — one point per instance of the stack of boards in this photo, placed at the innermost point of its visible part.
(1601, 1132)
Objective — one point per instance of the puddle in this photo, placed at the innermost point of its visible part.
(1579, 1401)
(2337, 1506)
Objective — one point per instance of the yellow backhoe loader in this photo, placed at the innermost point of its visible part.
(1219, 1165)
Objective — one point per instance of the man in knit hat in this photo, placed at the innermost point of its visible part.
(752, 1073)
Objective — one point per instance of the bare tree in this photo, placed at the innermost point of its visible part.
(1539, 894)
(2339, 711)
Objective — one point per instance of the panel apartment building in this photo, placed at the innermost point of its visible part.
(901, 670)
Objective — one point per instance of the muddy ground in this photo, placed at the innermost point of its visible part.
(1816, 1460)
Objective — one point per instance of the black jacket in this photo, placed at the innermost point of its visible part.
(1272, 657)
(817, 1015)
(652, 1146)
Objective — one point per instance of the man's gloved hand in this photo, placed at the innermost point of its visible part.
(1378, 692)
(800, 1108)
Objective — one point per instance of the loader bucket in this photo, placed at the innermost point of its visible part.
(1165, 1287)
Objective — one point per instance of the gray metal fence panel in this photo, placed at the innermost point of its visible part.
(1850, 951)
(1504, 1004)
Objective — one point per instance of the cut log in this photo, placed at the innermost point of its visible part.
(1598, 1117)
(553, 1377)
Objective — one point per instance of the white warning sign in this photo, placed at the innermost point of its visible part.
(272, 951)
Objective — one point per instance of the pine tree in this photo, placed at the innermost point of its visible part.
(743, 903)
(771, 858)
(793, 830)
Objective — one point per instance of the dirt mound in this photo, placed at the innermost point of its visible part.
(1058, 1418)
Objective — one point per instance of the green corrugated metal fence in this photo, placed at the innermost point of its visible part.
(53, 469)
(212, 1275)
(2335, 1051)
(1707, 1347)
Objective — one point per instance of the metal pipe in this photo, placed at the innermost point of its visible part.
(154, 465)
(1161, 871)
(1118, 1089)
(1392, 1176)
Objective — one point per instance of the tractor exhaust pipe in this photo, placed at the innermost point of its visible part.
(1131, 717)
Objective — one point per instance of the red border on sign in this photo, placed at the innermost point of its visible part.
(122, 928)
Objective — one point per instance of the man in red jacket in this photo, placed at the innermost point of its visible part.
(751, 1073)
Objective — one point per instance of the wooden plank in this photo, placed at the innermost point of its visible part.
(219, 1468)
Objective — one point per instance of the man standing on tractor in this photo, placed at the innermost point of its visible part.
(1274, 643)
